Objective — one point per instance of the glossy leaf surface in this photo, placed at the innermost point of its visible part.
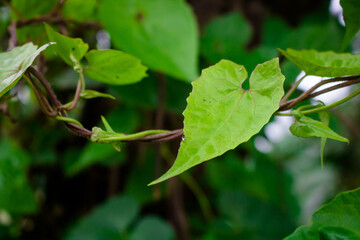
(221, 114)
(15, 62)
(71, 50)
(324, 64)
(114, 67)
(339, 219)
(165, 42)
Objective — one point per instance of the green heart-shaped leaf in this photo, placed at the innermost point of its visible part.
(221, 114)
(15, 62)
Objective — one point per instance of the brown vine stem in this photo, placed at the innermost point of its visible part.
(13, 41)
(76, 97)
(305, 95)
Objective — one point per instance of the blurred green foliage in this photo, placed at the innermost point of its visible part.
(54, 185)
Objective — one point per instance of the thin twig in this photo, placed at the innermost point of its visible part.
(76, 97)
(13, 41)
(293, 102)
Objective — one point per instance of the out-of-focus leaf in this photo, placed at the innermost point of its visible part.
(69, 49)
(307, 127)
(108, 221)
(220, 118)
(150, 228)
(226, 38)
(15, 62)
(89, 94)
(324, 64)
(259, 177)
(339, 219)
(351, 10)
(248, 218)
(92, 153)
(165, 42)
(4, 20)
(309, 34)
(33, 8)
(16, 196)
(79, 10)
(141, 173)
(144, 94)
(114, 67)
(31, 33)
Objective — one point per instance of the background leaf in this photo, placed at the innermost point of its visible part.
(108, 221)
(114, 67)
(79, 10)
(16, 196)
(33, 8)
(165, 42)
(220, 118)
(150, 228)
(351, 10)
(339, 219)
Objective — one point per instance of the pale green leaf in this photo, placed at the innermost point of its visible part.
(324, 64)
(339, 219)
(89, 94)
(307, 127)
(108, 221)
(351, 10)
(114, 67)
(221, 115)
(15, 62)
(71, 50)
(165, 42)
